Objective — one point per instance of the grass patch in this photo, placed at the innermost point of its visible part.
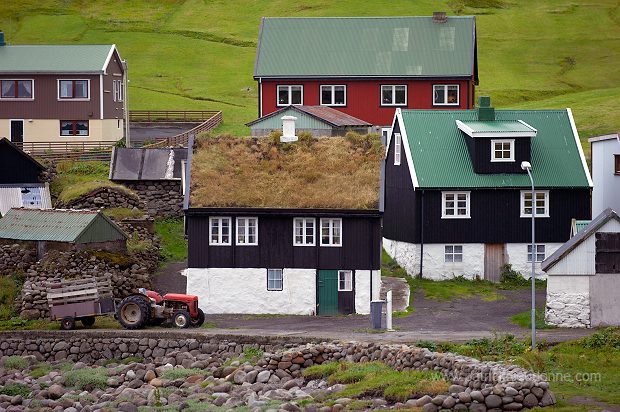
(321, 371)
(72, 192)
(120, 213)
(17, 323)
(524, 319)
(15, 362)
(41, 370)
(14, 389)
(179, 373)
(252, 353)
(72, 173)
(125, 361)
(173, 245)
(10, 289)
(87, 378)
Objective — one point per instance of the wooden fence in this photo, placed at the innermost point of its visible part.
(171, 115)
(78, 151)
(182, 139)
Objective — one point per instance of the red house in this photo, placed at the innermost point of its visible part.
(367, 66)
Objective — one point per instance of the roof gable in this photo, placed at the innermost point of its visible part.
(55, 58)
(328, 115)
(441, 158)
(366, 47)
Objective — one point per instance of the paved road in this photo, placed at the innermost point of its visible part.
(141, 132)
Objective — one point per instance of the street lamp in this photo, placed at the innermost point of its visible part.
(528, 167)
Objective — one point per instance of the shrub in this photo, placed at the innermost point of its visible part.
(87, 378)
(511, 277)
(15, 362)
(608, 338)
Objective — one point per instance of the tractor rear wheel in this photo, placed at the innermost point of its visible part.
(181, 319)
(196, 323)
(67, 323)
(133, 312)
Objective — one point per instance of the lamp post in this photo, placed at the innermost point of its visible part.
(528, 167)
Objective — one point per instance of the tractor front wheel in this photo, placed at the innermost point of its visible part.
(196, 323)
(181, 319)
(133, 312)
(67, 323)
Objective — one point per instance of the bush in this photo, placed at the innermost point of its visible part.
(87, 378)
(608, 338)
(509, 276)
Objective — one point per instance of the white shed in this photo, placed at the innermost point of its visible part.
(583, 276)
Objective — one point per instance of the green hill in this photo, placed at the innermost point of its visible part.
(199, 54)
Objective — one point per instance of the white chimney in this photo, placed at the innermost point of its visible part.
(288, 129)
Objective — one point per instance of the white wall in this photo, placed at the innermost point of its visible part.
(516, 255)
(606, 191)
(362, 289)
(568, 301)
(233, 290)
(48, 130)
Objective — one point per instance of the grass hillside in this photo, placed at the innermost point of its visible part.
(199, 54)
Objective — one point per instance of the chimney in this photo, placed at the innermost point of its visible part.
(2, 43)
(485, 111)
(288, 129)
(439, 17)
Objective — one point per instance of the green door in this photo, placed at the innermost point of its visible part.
(328, 292)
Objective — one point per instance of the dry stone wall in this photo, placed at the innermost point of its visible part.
(104, 198)
(162, 198)
(568, 310)
(15, 258)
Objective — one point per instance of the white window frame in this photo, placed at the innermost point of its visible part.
(543, 253)
(467, 215)
(273, 271)
(246, 231)
(333, 94)
(18, 99)
(546, 199)
(348, 280)
(393, 86)
(304, 221)
(445, 94)
(512, 150)
(73, 99)
(450, 250)
(398, 143)
(330, 221)
(117, 90)
(219, 241)
(290, 95)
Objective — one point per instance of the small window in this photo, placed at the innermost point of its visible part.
(118, 92)
(275, 279)
(542, 203)
(453, 253)
(393, 95)
(540, 253)
(331, 232)
(73, 89)
(397, 148)
(455, 205)
(219, 231)
(446, 94)
(333, 95)
(502, 150)
(617, 164)
(303, 231)
(247, 231)
(17, 89)
(345, 281)
(74, 128)
(288, 95)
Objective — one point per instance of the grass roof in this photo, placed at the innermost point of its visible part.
(324, 173)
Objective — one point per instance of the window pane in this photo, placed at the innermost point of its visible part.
(326, 95)
(339, 95)
(458, 249)
(81, 89)
(283, 95)
(449, 258)
(66, 128)
(8, 88)
(453, 94)
(400, 94)
(295, 94)
(439, 95)
(66, 88)
(24, 89)
(386, 94)
(81, 128)
(458, 258)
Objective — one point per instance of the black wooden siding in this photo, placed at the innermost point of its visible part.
(361, 237)
(346, 299)
(480, 152)
(495, 213)
(16, 167)
(607, 259)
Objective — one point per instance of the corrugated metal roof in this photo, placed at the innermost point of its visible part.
(146, 164)
(327, 114)
(53, 225)
(54, 58)
(497, 126)
(441, 159)
(366, 46)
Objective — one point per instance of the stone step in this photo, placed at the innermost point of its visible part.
(400, 292)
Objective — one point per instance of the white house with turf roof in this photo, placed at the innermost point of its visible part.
(457, 201)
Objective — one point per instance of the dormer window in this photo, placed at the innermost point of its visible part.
(503, 150)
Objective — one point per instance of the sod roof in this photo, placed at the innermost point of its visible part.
(324, 173)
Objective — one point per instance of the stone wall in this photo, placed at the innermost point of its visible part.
(163, 198)
(104, 198)
(15, 257)
(477, 385)
(568, 310)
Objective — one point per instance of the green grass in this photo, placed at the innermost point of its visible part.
(194, 54)
(73, 174)
(86, 378)
(178, 373)
(173, 243)
(17, 323)
(120, 213)
(41, 369)
(15, 362)
(125, 361)
(524, 319)
(378, 379)
(14, 389)
(10, 289)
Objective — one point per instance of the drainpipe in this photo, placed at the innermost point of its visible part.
(421, 233)
(126, 104)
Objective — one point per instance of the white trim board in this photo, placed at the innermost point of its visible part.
(471, 133)
(405, 144)
(107, 60)
(579, 148)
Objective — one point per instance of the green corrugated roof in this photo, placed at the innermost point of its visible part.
(497, 126)
(441, 159)
(365, 46)
(58, 226)
(53, 58)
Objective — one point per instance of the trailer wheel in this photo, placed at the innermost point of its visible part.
(133, 312)
(181, 319)
(67, 323)
(88, 321)
(196, 323)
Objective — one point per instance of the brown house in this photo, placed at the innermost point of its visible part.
(61, 93)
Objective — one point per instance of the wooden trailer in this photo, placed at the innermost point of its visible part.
(80, 299)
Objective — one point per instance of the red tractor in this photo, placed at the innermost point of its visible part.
(150, 308)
